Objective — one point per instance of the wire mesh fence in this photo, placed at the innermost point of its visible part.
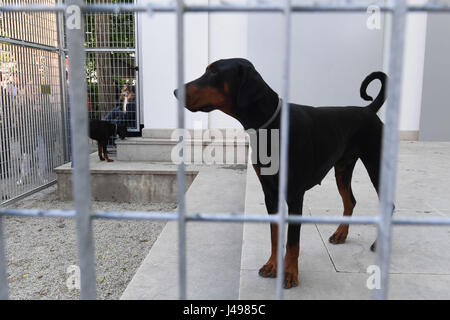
(31, 109)
(79, 119)
(111, 65)
(35, 27)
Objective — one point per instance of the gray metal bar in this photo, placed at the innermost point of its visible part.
(27, 44)
(284, 151)
(221, 217)
(26, 194)
(110, 49)
(180, 171)
(3, 266)
(389, 152)
(356, 6)
(62, 86)
(80, 146)
(332, 6)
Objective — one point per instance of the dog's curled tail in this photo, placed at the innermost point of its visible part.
(379, 100)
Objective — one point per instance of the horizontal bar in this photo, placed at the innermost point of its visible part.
(28, 193)
(219, 217)
(27, 44)
(333, 6)
(87, 49)
(344, 6)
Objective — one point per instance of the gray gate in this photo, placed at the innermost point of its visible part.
(32, 135)
(111, 65)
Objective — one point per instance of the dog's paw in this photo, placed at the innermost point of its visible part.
(290, 279)
(269, 270)
(110, 160)
(102, 159)
(340, 235)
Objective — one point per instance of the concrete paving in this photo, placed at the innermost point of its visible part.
(223, 259)
(213, 249)
(420, 262)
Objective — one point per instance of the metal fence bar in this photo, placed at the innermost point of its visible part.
(28, 44)
(81, 174)
(221, 217)
(62, 85)
(180, 171)
(284, 151)
(331, 6)
(28, 193)
(3, 265)
(110, 49)
(389, 154)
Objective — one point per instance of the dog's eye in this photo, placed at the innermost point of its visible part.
(213, 71)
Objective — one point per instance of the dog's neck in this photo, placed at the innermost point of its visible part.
(256, 115)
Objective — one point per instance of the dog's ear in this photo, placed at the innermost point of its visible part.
(251, 85)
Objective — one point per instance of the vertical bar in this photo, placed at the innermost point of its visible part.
(3, 264)
(79, 124)
(284, 139)
(62, 83)
(180, 171)
(390, 147)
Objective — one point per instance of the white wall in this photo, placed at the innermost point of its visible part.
(435, 115)
(207, 38)
(331, 55)
(158, 64)
(227, 39)
(413, 69)
(413, 72)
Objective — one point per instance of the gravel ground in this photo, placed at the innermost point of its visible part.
(40, 250)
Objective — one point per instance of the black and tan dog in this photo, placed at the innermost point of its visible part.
(102, 131)
(319, 139)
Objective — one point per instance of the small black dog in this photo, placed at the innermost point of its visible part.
(101, 131)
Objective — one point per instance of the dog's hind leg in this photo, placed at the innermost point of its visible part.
(372, 164)
(343, 173)
(105, 151)
(99, 147)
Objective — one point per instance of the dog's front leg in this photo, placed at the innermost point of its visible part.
(292, 246)
(269, 186)
(269, 269)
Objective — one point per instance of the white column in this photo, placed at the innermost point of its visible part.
(412, 82)
(413, 67)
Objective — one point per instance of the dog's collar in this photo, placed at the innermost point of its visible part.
(275, 114)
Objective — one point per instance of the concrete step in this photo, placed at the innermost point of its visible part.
(217, 146)
(213, 249)
(124, 181)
